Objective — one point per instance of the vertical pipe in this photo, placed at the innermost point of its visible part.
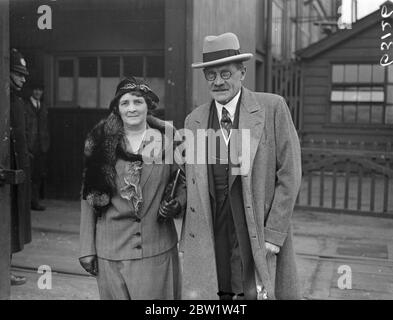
(269, 57)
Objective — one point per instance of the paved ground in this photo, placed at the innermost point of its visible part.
(323, 242)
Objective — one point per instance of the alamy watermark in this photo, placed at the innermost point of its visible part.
(344, 282)
(45, 281)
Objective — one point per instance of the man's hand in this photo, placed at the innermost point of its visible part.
(272, 248)
(168, 209)
(90, 264)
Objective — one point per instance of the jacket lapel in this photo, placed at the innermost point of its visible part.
(147, 169)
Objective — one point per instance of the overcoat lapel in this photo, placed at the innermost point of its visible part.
(251, 117)
(200, 170)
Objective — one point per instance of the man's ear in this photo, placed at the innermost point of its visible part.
(244, 71)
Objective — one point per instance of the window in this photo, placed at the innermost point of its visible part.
(361, 94)
(65, 80)
(90, 81)
(87, 82)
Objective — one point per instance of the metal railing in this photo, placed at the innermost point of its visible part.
(347, 181)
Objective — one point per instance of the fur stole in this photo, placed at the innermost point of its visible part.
(103, 147)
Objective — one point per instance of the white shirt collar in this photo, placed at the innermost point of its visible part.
(230, 106)
(35, 102)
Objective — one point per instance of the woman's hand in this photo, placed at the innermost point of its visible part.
(90, 264)
(168, 209)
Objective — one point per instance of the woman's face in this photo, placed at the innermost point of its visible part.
(133, 110)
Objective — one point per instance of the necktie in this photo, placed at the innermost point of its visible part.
(226, 122)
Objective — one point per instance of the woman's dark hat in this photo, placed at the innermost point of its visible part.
(131, 84)
(18, 63)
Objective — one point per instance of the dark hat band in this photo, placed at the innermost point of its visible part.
(216, 55)
(133, 86)
(20, 69)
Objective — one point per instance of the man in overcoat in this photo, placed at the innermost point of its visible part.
(37, 142)
(237, 237)
(20, 194)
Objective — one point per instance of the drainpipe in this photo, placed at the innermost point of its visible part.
(269, 57)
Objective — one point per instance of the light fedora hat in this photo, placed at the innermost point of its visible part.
(221, 49)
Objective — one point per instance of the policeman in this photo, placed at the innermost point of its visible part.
(20, 194)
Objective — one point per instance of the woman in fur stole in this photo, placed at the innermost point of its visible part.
(128, 239)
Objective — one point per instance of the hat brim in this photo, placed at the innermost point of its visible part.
(20, 70)
(236, 58)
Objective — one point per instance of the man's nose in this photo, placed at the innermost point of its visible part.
(218, 81)
(23, 79)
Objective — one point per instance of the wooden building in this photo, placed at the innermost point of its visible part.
(93, 43)
(347, 94)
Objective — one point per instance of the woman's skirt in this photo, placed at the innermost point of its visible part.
(149, 278)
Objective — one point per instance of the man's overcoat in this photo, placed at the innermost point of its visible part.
(270, 188)
(20, 194)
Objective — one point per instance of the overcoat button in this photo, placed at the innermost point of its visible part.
(192, 235)
(138, 247)
(138, 220)
(138, 234)
(193, 181)
(192, 209)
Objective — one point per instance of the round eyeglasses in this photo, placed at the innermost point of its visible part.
(211, 75)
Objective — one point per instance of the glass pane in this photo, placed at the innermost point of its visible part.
(87, 92)
(376, 114)
(350, 94)
(158, 86)
(378, 74)
(351, 73)
(133, 66)
(337, 95)
(389, 115)
(336, 114)
(65, 83)
(155, 67)
(87, 82)
(110, 67)
(107, 91)
(65, 89)
(338, 73)
(88, 67)
(363, 114)
(365, 72)
(377, 95)
(349, 114)
(66, 68)
(364, 94)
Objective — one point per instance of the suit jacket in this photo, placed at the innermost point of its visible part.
(271, 153)
(37, 126)
(120, 234)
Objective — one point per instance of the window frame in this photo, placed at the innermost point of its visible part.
(383, 103)
(75, 57)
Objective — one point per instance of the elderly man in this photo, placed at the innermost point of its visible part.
(236, 237)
